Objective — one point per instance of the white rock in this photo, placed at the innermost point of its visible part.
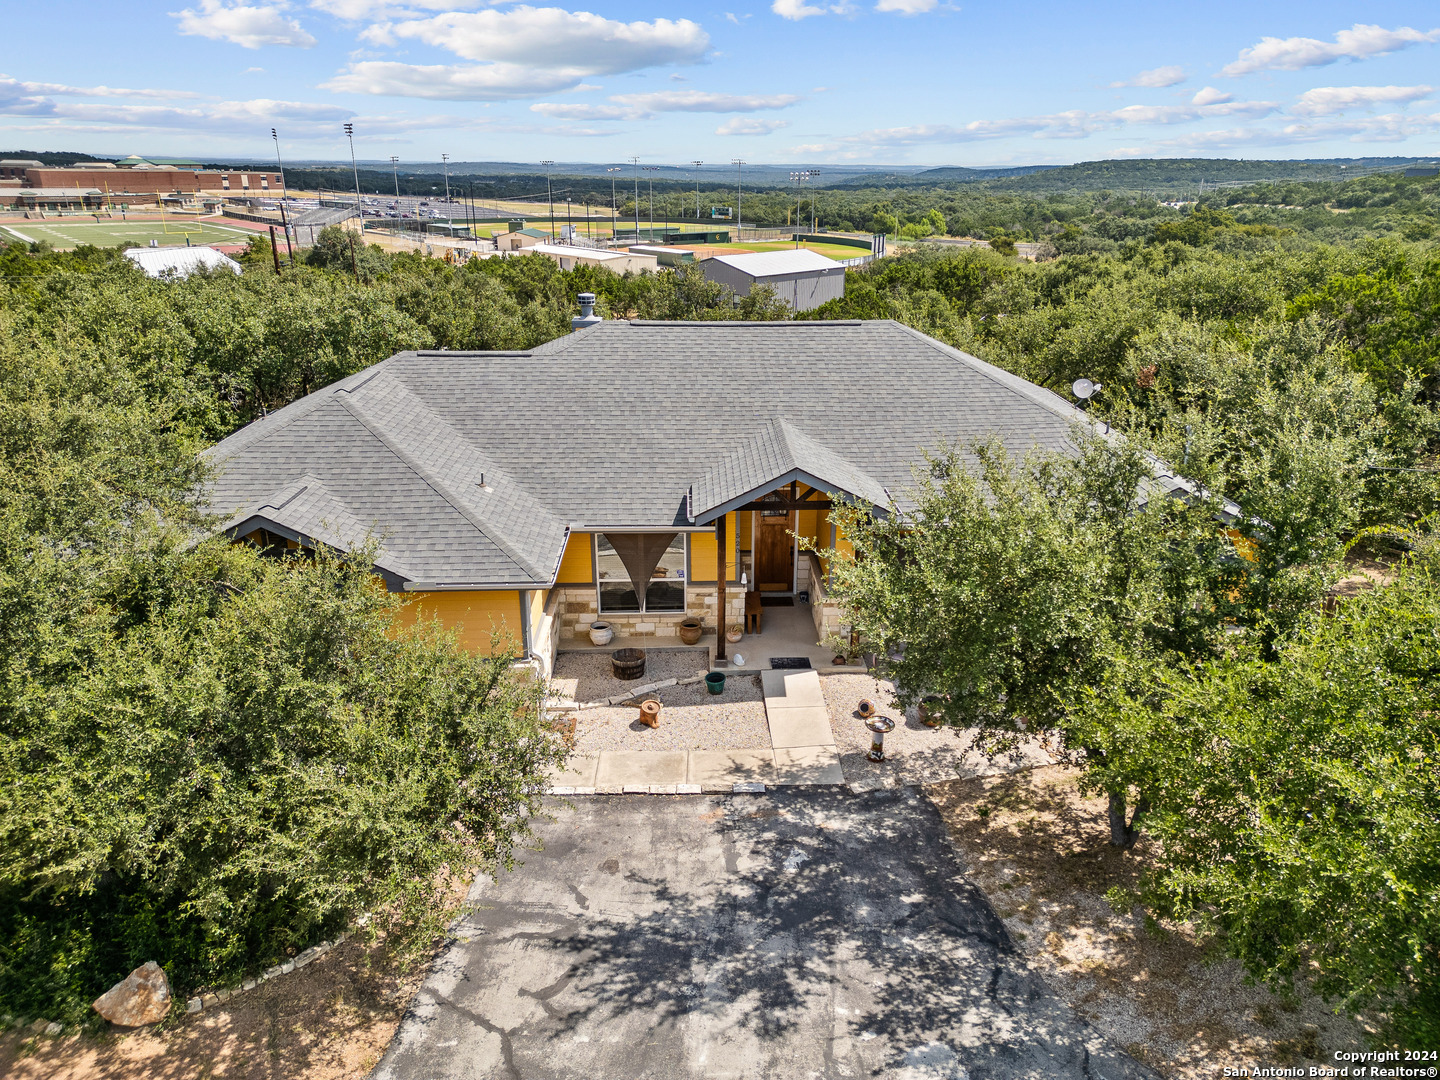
(142, 997)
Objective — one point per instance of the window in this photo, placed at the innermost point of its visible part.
(664, 591)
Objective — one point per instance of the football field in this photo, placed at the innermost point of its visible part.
(70, 234)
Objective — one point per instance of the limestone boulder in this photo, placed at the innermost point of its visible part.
(142, 997)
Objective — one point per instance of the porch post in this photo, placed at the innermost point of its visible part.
(720, 569)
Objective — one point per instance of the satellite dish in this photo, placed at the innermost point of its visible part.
(1084, 389)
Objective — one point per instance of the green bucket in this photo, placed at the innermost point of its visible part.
(715, 682)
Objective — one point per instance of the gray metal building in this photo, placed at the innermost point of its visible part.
(802, 278)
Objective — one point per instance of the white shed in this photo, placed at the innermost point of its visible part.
(180, 260)
(803, 279)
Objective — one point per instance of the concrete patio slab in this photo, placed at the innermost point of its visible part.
(578, 771)
(640, 767)
(807, 765)
(721, 768)
(799, 727)
(792, 689)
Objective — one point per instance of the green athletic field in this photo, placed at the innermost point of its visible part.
(108, 233)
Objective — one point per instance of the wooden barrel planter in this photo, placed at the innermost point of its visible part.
(690, 630)
(627, 663)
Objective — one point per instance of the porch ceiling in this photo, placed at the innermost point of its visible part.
(776, 455)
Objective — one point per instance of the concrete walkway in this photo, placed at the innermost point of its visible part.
(802, 751)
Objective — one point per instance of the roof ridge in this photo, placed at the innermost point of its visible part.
(489, 529)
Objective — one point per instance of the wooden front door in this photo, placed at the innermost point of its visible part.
(775, 551)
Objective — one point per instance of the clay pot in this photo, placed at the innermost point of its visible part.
(734, 632)
(650, 712)
(866, 709)
(690, 630)
(839, 661)
(930, 712)
(601, 633)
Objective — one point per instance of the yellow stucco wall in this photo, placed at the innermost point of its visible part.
(538, 599)
(576, 567)
(474, 612)
(702, 553)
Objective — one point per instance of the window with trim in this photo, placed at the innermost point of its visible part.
(664, 591)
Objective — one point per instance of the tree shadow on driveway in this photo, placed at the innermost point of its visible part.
(801, 933)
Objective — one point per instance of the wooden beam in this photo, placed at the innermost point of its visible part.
(720, 573)
(782, 504)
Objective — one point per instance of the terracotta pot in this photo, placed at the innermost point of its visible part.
(690, 630)
(650, 712)
(839, 661)
(930, 712)
(734, 632)
(866, 709)
(601, 633)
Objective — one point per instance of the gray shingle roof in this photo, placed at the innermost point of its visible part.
(621, 424)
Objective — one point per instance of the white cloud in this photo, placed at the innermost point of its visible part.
(1210, 96)
(1180, 114)
(701, 101)
(557, 39)
(16, 86)
(366, 10)
(906, 7)
(795, 10)
(640, 106)
(1156, 78)
(583, 112)
(750, 125)
(526, 52)
(1357, 43)
(452, 82)
(1329, 100)
(243, 25)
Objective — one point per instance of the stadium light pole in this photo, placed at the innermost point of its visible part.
(350, 134)
(395, 172)
(445, 159)
(636, 162)
(651, 169)
(814, 213)
(550, 197)
(697, 165)
(284, 193)
(739, 176)
(614, 211)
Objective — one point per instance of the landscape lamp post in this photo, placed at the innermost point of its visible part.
(550, 197)
(350, 134)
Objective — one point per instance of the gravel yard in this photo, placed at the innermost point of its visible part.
(915, 754)
(585, 676)
(691, 718)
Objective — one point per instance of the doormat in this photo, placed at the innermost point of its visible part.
(789, 662)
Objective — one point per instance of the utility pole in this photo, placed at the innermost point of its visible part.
(697, 165)
(395, 172)
(636, 162)
(350, 134)
(650, 169)
(614, 212)
(550, 197)
(739, 176)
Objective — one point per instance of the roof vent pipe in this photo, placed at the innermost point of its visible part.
(587, 316)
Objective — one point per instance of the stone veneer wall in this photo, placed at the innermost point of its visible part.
(578, 609)
(829, 616)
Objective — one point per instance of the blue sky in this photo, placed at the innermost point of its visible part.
(872, 81)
